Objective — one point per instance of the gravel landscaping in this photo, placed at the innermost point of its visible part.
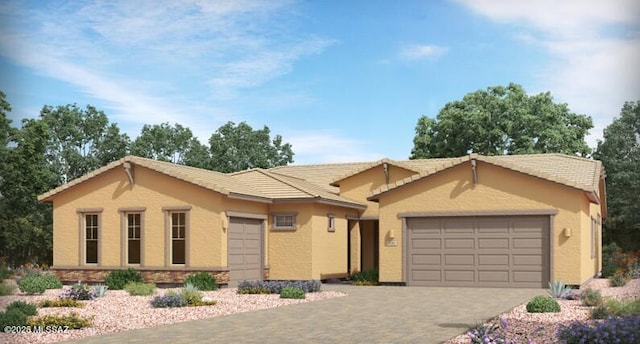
(542, 327)
(118, 311)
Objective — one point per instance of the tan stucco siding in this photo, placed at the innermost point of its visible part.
(290, 251)
(111, 191)
(355, 238)
(360, 186)
(497, 190)
(329, 247)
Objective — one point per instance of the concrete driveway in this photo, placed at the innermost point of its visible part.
(366, 315)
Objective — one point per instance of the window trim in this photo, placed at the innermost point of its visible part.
(82, 237)
(331, 223)
(126, 239)
(169, 211)
(274, 224)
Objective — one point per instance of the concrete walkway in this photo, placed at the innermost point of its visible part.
(366, 315)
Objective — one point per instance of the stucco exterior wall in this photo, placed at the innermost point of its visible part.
(497, 190)
(111, 191)
(355, 247)
(360, 186)
(329, 249)
(290, 251)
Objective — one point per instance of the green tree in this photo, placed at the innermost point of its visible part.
(236, 148)
(175, 144)
(81, 140)
(502, 120)
(620, 154)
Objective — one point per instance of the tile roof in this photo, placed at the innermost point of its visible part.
(321, 175)
(368, 166)
(576, 172)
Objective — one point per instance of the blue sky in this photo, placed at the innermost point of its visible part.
(340, 80)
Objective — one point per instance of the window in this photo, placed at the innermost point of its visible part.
(178, 236)
(91, 227)
(284, 221)
(593, 237)
(332, 223)
(134, 228)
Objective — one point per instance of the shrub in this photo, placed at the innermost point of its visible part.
(168, 300)
(274, 287)
(78, 291)
(591, 297)
(600, 312)
(7, 289)
(490, 333)
(73, 321)
(624, 307)
(623, 330)
(366, 277)
(51, 281)
(202, 280)
(140, 289)
(191, 295)
(558, 289)
(60, 302)
(542, 304)
(572, 295)
(292, 293)
(617, 280)
(32, 284)
(12, 318)
(609, 254)
(100, 290)
(25, 308)
(116, 280)
(5, 272)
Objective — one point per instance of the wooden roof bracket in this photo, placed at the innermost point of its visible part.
(385, 166)
(474, 170)
(128, 169)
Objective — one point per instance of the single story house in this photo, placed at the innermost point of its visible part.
(494, 221)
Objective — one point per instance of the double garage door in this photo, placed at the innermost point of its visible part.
(488, 251)
(244, 249)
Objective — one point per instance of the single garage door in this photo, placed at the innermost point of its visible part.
(488, 251)
(244, 249)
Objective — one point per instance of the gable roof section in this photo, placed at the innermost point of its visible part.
(368, 166)
(320, 175)
(575, 172)
(211, 180)
(282, 188)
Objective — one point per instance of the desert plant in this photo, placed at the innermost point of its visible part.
(591, 297)
(78, 291)
(7, 289)
(25, 308)
(100, 290)
(623, 330)
(202, 280)
(365, 277)
(5, 272)
(274, 287)
(624, 307)
(116, 280)
(558, 289)
(32, 284)
(488, 334)
(60, 302)
(191, 295)
(50, 281)
(168, 300)
(617, 280)
(140, 289)
(543, 304)
(72, 321)
(12, 318)
(292, 293)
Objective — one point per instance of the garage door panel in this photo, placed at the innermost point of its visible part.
(500, 276)
(459, 259)
(427, 275)
(425, 243)
(478, 251)
(493, 259)
(459, 276)
(492, 243)
(451, 243)
(425, 259)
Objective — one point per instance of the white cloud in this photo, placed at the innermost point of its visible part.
(328, 147)
(593, 47)
(422, 51)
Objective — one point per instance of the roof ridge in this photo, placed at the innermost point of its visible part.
(320, 164)
(280, 179)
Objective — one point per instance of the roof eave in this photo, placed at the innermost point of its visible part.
(251, 198)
